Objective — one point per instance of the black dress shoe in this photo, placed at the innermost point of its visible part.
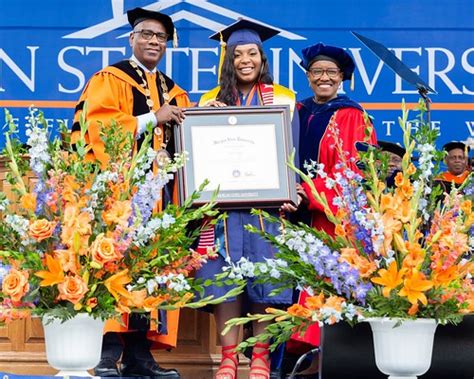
(106, 367)
(148, 368)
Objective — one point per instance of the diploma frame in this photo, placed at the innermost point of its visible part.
(242, 151)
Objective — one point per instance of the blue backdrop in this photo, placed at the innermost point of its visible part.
(49, 49)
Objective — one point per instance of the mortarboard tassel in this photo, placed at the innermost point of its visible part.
(175, 38)
(352, 82)
(221, 58)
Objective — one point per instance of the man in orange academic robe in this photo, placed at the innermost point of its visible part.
(456, 163)
(134, 93)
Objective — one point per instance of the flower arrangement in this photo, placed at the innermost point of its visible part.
(85, 237)
(399, 252)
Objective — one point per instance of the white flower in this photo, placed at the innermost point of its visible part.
(18, 224)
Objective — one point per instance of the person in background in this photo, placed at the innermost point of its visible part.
(456, 164)
(326, 68)
(395, 154)
(135, 94)
(244, 81)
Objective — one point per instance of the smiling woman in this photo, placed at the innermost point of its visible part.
(326, 119)
(244, 81)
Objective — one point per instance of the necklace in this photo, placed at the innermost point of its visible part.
(162, 132)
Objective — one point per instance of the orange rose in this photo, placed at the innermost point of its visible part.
(15, 284)
(41, 229)
(72, 289)
(103, 250)
(28, 201)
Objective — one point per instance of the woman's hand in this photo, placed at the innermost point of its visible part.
(169, 113)
(215, 103)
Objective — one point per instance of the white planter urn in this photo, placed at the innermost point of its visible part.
(403, 351)
(74, 346)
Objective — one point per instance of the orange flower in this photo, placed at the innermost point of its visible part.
(413, 309)
(406, 190)
(119, 213)
(298, 310)
(103, 250)
(74, 222)
(15, 284)
(41, 229)
(404, 211)
(67, 259)
(399, 179)
(466, 207)
(414, 257)
(72, 289)
(362, 264)
(390, 226)
(446, 277)
(138, 298)
(411, 169)
(414, 286)
(389, 279)
(315, 302)
(69, 191)
(339, 230)
(28, 201)
(334, 302)
(388, 202)
(115, 284)
(92, 302)
(55, 273)
(152, 303)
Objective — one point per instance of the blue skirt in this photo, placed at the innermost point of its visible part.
(242, 243)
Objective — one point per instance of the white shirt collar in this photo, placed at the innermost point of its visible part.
(140, 64)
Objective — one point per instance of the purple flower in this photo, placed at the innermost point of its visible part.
(361, 291)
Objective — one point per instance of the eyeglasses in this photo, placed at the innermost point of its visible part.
(318, 72)
(148, 35)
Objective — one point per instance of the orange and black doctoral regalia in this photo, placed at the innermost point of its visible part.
(115, 93)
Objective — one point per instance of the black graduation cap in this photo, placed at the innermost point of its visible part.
(137, 15)
(395, 64)
(456, 145)
(243, 32)
(392, 148)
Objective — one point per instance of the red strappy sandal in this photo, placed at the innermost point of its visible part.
(260, 372)
(228, 371)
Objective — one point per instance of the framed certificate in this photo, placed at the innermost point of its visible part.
(242, 151)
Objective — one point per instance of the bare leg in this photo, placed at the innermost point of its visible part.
(222, 313)
(260, 364)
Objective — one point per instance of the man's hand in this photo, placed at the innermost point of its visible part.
(169, 113)
(302, 199)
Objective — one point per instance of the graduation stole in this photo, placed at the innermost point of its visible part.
(264, 93)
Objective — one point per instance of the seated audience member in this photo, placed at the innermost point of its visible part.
(395, 154)
(456, 163)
